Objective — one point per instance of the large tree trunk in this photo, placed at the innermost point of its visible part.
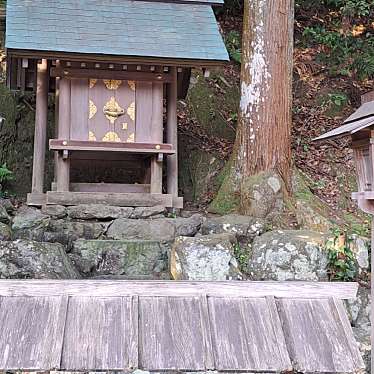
(262, 144)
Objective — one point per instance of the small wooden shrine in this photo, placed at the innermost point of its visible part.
(116, 68)
(360, 127)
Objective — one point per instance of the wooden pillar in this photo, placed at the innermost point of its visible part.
(172, 135)
(372, 296)
(41, 122)
(157, 136)
(57, 102)
(63, 163)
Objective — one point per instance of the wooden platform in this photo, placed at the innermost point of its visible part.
(187, 326)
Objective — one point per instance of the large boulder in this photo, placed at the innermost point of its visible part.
(243, 227)
(5, 232)
(289, 256)
(162, 229)
(359, 309)
(204, 258)
(30, 223)
(55, 211)
(67, 232)
(130, 229)
(4, 216)
(98, 212)
(27, 259)
(363, 339)
(148, 212)
(133, 259)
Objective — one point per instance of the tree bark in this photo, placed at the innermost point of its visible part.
(263, 143)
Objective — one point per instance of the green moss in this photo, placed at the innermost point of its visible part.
(213, 103)
(227, 199)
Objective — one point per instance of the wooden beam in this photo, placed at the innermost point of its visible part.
(172, 134)
(112, 288)
(63, 165)
(157, 135)
(140, 148)
(115, 199)
(107, 187)
(114, 58)
(41, 122)
(107, 74)
(36, 199)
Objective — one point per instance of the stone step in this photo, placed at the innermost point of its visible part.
(131, 259)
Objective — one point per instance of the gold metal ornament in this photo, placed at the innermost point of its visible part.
(112, 110)
(125, 126)
(93, 83)
(131, 111)
(92, 109)
(132, 85)
(91, 137)
(112, 84)
(111, 136)
(131, 138)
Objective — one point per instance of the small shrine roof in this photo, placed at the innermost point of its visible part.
(359, 120)
(185, 29)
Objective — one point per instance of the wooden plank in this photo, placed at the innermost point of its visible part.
(157, 134)
(172, 134)
(108, 74)
(133, 350)
(145, 148)
(79, 109)
(116, 199)
(347, 328)
(291, 290)
(63, 165)
(41, 122)
(99, 334)
(144, 103)
(171, 333)
(315, 337)
(31, 334)
(255, 344)
(107, 187)
(207, 333)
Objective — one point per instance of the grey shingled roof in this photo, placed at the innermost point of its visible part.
(359, 120)
(116, 27)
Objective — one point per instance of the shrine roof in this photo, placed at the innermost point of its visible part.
(359, 120)
(258, 327)
(185, 29)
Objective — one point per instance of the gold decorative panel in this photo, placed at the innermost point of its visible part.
(111, 136)
(93, 83)
(92, 109)
(132, 85)
(91, 136)
(112, 84)
(131, 111)
(131, 138)
(112, 110)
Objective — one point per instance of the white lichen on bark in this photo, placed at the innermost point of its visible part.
(253, 92)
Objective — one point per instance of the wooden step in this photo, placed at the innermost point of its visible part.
(115, 199)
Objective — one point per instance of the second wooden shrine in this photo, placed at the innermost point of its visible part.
(117, 68)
